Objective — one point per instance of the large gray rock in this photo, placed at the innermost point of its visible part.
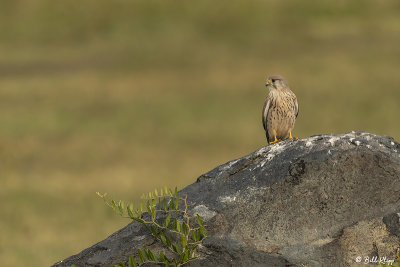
(319, 201)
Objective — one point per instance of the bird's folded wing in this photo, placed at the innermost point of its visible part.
(296, 104)
(265, 112)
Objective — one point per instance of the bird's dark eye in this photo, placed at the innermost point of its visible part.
(272, 80)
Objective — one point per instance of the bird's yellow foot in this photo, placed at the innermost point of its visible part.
(291, 137)
(275, 141)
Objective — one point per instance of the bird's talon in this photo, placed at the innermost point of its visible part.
(292, 137)
(275, 141)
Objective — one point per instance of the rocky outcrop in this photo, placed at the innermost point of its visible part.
(321, 201)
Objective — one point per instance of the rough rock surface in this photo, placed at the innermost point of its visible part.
(319, 201)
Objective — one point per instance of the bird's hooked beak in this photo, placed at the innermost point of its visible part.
(269, 83)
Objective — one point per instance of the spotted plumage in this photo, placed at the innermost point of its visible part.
(280, 110)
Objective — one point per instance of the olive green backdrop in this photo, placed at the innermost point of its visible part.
(124, 96)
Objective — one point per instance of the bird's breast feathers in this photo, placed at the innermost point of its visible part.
(285, 99)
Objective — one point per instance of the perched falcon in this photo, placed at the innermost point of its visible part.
(280, 110)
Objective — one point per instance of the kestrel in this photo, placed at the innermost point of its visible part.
(280, 110)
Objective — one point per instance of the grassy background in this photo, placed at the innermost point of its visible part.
(125, 96)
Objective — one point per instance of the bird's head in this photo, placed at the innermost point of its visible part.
(276, 82)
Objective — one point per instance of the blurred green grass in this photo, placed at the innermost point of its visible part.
(125, 96)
